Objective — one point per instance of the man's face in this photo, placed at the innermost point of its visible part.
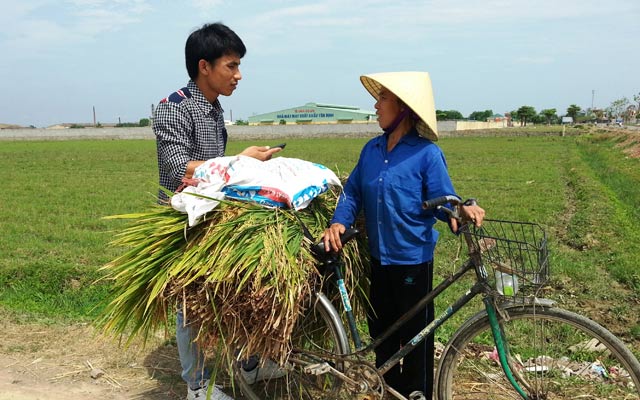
(222, 76)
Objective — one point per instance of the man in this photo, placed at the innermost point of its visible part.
(189, 129)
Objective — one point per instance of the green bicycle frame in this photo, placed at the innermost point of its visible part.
(501, 346)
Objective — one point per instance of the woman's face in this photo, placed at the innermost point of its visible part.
(387, 108)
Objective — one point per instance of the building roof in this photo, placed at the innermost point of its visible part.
(315, 112)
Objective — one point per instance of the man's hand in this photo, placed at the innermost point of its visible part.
(191, 168)
(262, 153)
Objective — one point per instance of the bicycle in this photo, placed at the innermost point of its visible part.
(520, 346)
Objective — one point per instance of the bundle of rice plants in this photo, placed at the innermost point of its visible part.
(242, 276)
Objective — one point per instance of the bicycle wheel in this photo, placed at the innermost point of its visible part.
(319, 332)
(554, 353)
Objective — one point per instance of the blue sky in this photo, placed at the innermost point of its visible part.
(60, 58)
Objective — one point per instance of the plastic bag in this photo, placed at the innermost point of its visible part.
(279, 182)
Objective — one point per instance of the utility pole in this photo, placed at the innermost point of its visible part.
(593, 93)
(94, 116)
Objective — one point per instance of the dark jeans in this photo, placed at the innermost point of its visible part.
(394, 290)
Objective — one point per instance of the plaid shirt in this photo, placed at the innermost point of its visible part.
(188, 128)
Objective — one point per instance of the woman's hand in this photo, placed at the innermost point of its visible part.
(473, 213)
(262, 153)
(332, 237)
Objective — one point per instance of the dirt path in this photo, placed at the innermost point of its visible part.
(57, 363)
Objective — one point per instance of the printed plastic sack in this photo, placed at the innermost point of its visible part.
(279, 182)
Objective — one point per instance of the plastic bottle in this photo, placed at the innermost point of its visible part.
(506, 284)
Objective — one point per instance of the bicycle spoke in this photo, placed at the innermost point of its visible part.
(554, 354)
(318, 333)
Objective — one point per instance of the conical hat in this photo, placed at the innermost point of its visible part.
(414, 89)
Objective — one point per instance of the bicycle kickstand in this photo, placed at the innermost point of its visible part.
(417, 396)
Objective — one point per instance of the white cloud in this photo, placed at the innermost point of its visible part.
(96, 16)
(399, 15)
(13, 12)
(479, 11)
(206, 6)
(276, 26)
(42, 26)
(531, 60)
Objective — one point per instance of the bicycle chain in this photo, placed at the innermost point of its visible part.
(369, 383)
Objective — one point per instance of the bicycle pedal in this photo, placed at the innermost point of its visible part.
(317, 369)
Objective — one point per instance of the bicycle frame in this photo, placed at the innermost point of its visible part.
(481, 286)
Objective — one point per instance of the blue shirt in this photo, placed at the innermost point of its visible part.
(390, 187)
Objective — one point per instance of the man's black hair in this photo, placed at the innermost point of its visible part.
(211, 42)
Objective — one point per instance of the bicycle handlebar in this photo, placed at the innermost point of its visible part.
(439, 201)
(319, 250)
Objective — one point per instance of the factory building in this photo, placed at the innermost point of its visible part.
(315, 113)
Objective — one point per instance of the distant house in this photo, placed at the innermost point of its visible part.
(314, 113)
(10, 126)
(67, 125)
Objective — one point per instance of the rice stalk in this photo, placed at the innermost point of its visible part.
(242, 277)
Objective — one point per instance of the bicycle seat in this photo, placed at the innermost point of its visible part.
(319, 251)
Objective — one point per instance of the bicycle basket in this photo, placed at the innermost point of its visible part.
(516, 253)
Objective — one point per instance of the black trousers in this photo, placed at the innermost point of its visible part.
(394, 290)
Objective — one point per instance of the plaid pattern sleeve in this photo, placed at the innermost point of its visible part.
(188, 128)
(172, 128)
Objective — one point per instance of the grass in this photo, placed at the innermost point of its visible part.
(53, 237)
(619, 191)
(581, 189)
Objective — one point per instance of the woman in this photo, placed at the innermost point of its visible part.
(396, 172)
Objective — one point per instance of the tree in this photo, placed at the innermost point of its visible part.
(449, 114)
(599, 114)
(550, 114)
(481, 115)
(511, 116)
(630, 113)
(573, 111)
(144, 122)
(525, 113)
(538, 119)
(636, 98)
(454, 114)
(618, 107)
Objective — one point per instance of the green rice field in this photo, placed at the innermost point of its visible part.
(582, 189)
